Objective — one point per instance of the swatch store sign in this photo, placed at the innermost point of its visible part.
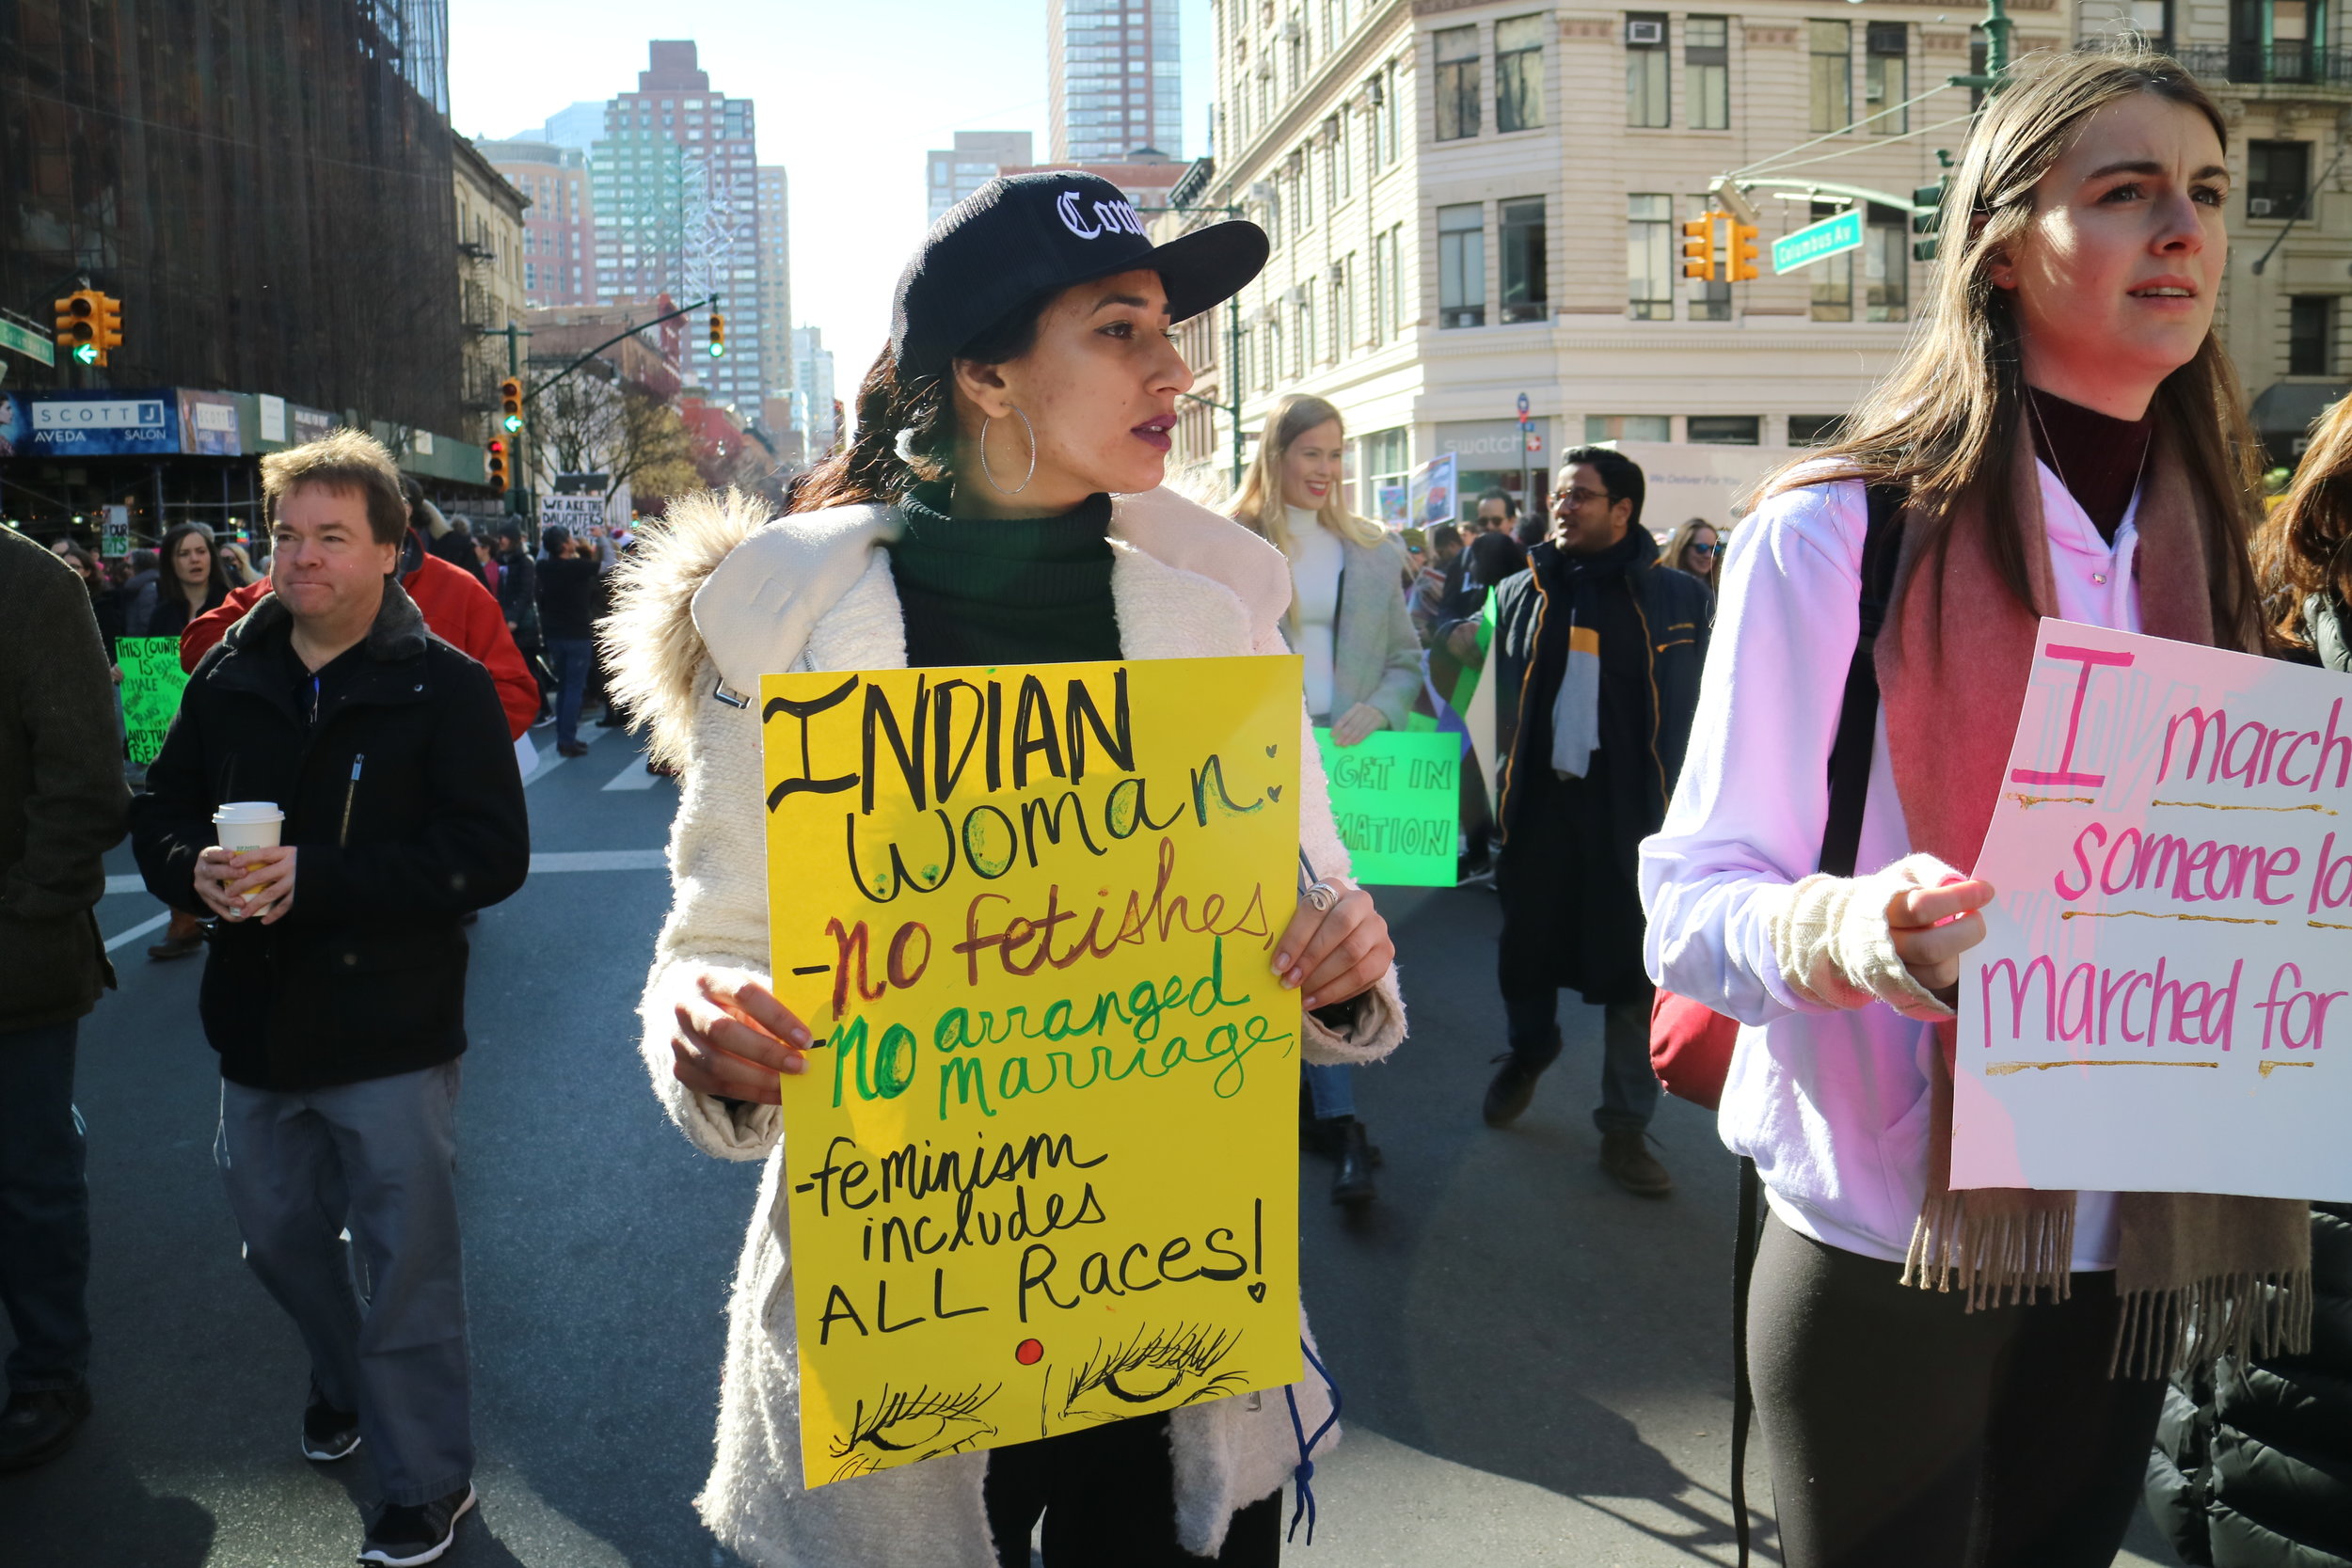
(102, 425)
(1495, 447)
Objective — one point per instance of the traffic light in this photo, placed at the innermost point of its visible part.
(77, 324)
(1930, 223)
(1698, 246)
(718, 334)
(511, 404)
(109, 325)
(498, 466)
(1740, 254)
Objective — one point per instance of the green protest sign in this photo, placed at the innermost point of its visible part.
(1395, 797)
(151, 683)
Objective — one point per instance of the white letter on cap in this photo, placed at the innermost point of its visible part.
(1067, 208)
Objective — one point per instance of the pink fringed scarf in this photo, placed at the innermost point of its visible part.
(2199, 1275)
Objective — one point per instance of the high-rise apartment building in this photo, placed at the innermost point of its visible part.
(673, 185)
(951, 174)
(812, 375)
(1114, 79)
(775, 279)
(577, 127)
(559, 226)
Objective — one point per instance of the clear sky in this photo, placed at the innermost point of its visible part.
(850, 94)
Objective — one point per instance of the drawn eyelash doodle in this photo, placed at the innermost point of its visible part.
(1042, 1159)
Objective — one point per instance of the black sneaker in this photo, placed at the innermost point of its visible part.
(39, 1426)
(1510, 1090)
(403, 1535)
(327, 1433)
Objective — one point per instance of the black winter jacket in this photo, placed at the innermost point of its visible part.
(2252, 1467)
(61, 791)
(406, 808)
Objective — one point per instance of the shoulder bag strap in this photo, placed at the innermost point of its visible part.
(1857, 718)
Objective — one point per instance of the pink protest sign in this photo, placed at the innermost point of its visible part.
(2161, 1002)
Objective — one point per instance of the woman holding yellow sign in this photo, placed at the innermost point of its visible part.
(1001, 505)
(1347, 620)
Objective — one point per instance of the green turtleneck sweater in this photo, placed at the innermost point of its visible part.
(1004, 590)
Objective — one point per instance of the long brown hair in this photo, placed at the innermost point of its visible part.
(1945, 425)
(877, 467)
(2306, 546)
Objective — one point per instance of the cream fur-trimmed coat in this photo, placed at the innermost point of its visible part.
(720, 596)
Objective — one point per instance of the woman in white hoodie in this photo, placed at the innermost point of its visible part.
(1001, 504)
(1965, 1377)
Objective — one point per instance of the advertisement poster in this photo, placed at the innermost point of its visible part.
(1044, 1164)
(151, 683)
(2161, 1002)
(1433, 493)
(1395, 796)
(67, 425)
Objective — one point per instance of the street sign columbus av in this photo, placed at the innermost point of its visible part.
(1818, 242)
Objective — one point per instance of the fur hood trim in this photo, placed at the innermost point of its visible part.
(689, 588)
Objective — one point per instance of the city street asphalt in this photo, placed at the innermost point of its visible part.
(1535, 1366)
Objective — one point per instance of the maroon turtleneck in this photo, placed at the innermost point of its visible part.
(2097, 457)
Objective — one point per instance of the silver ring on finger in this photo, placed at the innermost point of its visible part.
(1321, 897)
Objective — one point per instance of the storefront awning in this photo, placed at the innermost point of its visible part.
(2284, 412)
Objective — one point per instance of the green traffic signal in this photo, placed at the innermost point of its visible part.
(86, 352)
(512, 422)
(718, 351)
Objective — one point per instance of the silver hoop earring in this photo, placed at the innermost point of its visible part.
(990, 473)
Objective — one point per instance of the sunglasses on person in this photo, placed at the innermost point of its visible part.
(1702, 549)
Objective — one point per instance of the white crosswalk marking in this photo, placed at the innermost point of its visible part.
(633, 776)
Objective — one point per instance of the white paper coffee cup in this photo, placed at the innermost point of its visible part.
(247, 824)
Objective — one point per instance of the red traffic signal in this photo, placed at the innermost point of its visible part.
(496, 463)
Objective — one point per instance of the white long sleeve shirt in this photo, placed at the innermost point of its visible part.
(1317, 560)
(1833, 1107)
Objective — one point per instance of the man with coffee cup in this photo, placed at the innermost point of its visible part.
(340, 789)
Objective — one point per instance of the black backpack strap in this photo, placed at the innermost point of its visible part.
(1858, 718)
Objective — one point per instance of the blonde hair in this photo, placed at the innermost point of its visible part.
(1671, 553)
(1257, 505)
(1945, 425)
(342, 461)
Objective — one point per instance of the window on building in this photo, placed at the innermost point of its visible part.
(1526, 291)
(1979, 57)
(1457, 89)
(1649, 257)
(1886, 264)
(2311, 335)
(1388, 286)
(1270, 370)
(1725, 430)
(1709, 299)
(1629, 427)
(1832, 279)
(1886, 78)
(1390, 116)
(1833, 74)
(1342, 159)
(1815, 430)
(1646, 87)
(1302, 187)
(1387, 464)
(1520, 72)
(2153, 20)
(1343, 306)
(1327, 149)
(1462, 265)
(1706, 71)
(1305, 346)
(2277, 175)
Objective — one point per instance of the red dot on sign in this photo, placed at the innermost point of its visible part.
(1029, 1353)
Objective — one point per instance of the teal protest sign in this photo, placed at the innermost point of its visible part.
(1395, 796)
(151, 683)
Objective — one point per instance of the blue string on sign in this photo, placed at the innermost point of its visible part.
(1304, 1474)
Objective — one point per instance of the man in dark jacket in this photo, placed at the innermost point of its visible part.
(1596, 659)
(568, 619)
(519, 601)
(335, 988)
(62, 806)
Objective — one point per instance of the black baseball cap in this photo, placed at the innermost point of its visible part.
(1016, 238)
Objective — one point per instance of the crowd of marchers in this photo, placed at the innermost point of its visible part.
(1738, 775)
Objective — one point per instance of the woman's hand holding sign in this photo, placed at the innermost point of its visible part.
(1336, 951)
(733, 1036)
(1932, 926)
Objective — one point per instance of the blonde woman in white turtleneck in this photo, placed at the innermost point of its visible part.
(1348, 623)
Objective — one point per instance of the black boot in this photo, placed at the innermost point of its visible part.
(38, 1427)
(1352, 1183)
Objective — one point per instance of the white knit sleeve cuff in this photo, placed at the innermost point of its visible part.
(732, 1129)
(1834, 949)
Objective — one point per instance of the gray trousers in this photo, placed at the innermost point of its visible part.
(379, 1157)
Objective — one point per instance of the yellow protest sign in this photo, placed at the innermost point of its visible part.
(1043, 1168)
